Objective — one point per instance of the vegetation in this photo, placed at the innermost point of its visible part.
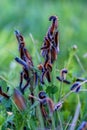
(31, 18)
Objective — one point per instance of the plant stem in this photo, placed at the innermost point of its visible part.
(40, 117)
(76, 115)
(67, 124)
(62, 100)
(35, 47)
(60, 90)
(79, 62)
(72, 53)
(2, 78)
(61, 126)
(53, 123)
(0, 127)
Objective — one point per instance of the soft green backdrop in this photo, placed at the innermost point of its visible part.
(31, 17)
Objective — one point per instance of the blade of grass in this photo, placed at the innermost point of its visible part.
(60, 121)
(79, 62)
(76, 116)
(2, 78)
(37, 54)
(68, 123)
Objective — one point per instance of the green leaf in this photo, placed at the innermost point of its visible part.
(2, 119)
(51, 89)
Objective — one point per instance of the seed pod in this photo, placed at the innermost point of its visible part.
(40, 66)
(75, 87)
(42, 95)
(19, 36)
(64, 81)
(63, 73)
(58, 106)
(83, 126)
(3, 93)
(80, 79)
(19, 99)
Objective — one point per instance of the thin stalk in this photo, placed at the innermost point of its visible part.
(38, 111)
(53, 123)
(67, 124)
(72, 53)
(38, 99)
(82, 83)
(0, 127)
(83, 90)
(69, 61)
(64, 98)
(22, 124)
(76, 115)
(40, 117)
(79, 62)
(60, 90)
(61, 125)
(72, 91)
(2, 78)
(35, 47)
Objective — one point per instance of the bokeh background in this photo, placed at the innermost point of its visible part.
(31, 18)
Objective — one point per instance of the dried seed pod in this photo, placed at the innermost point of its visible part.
(19, 99)
(54, 25)
(62, 77)
(46, 69)
(21, 62)
(53, 54)
(52, 18)
(46, 45)
(19, 36)
(75, 87)
(26, 61)
(42, 95)
(83, 126)
(40, 66)
(64, 81)
(80, 79)
(50, 49)
(46, 100)
(63, 73)
(3, 93)
(58, 106)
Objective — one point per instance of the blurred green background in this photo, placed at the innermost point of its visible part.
(31, 17)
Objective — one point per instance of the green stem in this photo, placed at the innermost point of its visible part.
(40, 117)
(61, 126)
(79, 62)
(60, 90)
(72, 53)
(53, 123)
(0, 127)
(36, 51)
(2, 78)
(67, 124)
